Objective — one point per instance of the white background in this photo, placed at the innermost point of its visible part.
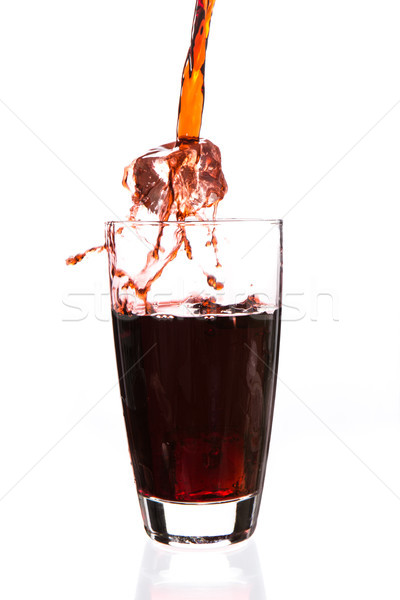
(304, 100)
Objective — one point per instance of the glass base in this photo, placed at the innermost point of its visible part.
(217, 523)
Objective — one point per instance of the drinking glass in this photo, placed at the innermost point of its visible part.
(196, 330)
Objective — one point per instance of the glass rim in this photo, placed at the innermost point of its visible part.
(198, 222)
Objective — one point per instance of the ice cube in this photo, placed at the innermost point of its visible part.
(176, 180)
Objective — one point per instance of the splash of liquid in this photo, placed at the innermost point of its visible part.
(178, 180)
(74, 260)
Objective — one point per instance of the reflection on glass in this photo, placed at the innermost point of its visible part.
(191, 574)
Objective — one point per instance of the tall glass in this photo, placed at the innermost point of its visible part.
(197, 355)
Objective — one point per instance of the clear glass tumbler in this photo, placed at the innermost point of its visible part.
(196, 315)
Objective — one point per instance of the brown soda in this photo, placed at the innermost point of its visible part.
(197, 431)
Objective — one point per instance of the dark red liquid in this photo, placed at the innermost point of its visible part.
(198, 397)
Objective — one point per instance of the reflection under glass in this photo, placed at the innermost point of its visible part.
(214, 574)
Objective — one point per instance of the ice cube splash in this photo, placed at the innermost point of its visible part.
(178, 180)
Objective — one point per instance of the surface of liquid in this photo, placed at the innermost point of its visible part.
(198, 395)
